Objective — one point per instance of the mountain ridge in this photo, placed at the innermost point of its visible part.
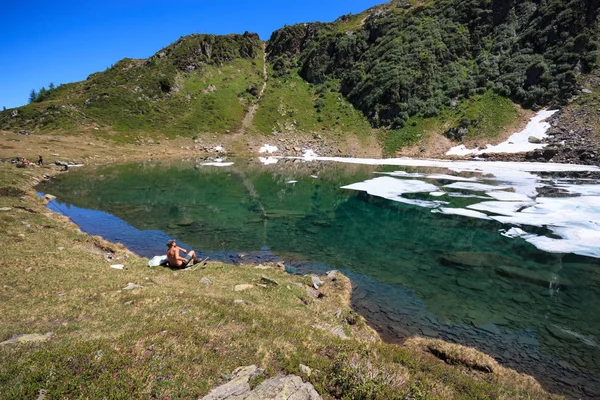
(398, 72)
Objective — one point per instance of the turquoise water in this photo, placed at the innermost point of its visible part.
(416, 272)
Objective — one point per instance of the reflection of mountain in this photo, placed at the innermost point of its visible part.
(468, 277)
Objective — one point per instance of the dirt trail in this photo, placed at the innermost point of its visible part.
(249, 117)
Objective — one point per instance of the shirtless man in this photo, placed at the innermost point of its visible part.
(175, 259)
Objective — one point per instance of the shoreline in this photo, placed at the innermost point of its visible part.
(394, 342)
(52, 171)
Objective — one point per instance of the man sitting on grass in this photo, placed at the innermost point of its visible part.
(175, 259)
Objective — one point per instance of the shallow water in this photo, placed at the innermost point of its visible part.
(431, 250)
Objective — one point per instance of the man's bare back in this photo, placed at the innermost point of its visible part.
(175, 258)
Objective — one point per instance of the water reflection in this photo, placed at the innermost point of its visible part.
(417, 272)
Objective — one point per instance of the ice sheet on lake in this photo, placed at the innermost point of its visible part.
(500, 207)
(462, 211)
(507, 196)
(393, 189)
(516, 143)
(476, 187)
(518, 200)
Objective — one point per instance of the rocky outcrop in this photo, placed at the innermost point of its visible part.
(280, 387)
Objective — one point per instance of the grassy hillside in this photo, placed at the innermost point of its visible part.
(290, 104)
(408, 61)
(201, 83)
(403, 69)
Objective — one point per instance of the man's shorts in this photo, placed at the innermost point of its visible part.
(188, 258)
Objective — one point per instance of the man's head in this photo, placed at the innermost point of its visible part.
(171, 243)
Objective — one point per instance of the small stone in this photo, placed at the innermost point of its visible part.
(305, 370)
(269, 280)
(240, 288)
(29, 269)
(239, 301)
(316, 281)
(117, 266)
(132, 286)
(313, 293)
(333, 274)
(49, 197)
(28, 338)
(339, 332)
(206, 281)
(263, 267)
(5, 208)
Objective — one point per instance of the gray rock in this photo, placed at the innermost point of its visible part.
(49, 197)
(290, 387)
(586, 91)
(313, 293)
(316, 281)
(305, 370)
(132, 286)
(206, 281)
(269, 280)
(333, 274)
(238, 387)
(339, 332)
(240, 288)
(533, 139)
(28, 338)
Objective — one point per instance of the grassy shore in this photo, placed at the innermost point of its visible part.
(175, 336)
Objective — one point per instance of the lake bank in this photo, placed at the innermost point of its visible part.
(164, 338)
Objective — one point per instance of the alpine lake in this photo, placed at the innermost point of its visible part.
(431, 250)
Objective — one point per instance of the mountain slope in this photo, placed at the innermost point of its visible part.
(200, 83)
(406, 61)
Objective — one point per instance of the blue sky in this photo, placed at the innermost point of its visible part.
(65, 41)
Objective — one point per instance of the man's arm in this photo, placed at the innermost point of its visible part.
(182, 249)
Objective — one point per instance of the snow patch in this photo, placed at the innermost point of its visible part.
(309, 155)
(517, 142)
(217, 164)
(267, 148)
(268, 160)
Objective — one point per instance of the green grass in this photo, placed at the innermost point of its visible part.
(290, 103)
(486, 116)
(493, 113)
